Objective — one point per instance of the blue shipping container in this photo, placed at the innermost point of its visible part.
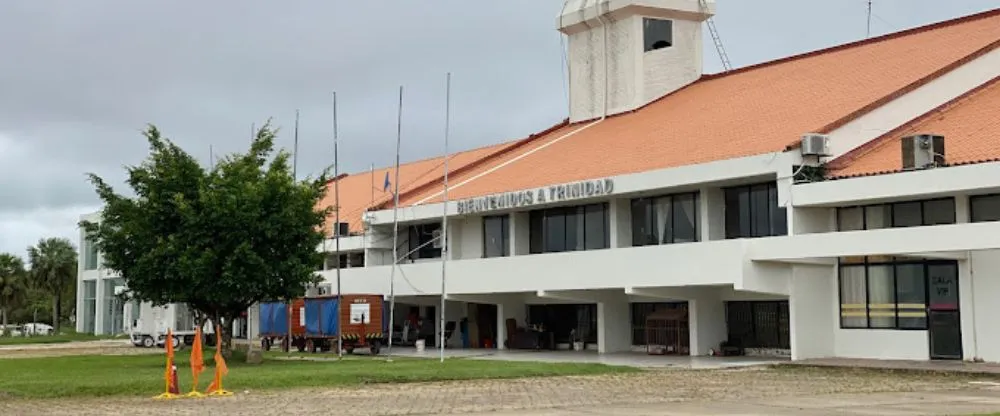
(322, 319)
(273, 318)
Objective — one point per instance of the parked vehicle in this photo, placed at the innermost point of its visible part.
(149, 328)
(315, 322)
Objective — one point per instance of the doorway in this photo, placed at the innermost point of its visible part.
(944, 324)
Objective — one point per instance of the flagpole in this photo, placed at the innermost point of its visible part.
(444, 213)
(395, 224)
(336, 201)
(295, 177)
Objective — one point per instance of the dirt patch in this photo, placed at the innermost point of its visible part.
(471, 397)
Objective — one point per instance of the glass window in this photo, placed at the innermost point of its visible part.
(939, 211)
(881, 297)
(984, 208)
(90, 254)
(89, 306)
(760, 225)
(496, 234)
(779, 218)
(942, 279)
(752, 211)
(685, 218)
(661, 213)
(595, 228)
(907, 214)
(536, 232)
(911, 296)
(567, 229)
(424, 241)
(735, 225)
(657, 34)
(850, 219)
(555, 231)
(878, 217)
(853, 297)
(643, 232)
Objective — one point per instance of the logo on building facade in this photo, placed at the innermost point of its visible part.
(549, 194)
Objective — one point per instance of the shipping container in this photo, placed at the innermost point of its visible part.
(316, 320)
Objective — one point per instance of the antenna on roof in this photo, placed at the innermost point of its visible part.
(869, 32)
(726, 65)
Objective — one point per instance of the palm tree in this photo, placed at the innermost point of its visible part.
(12, 285)
(53, 269)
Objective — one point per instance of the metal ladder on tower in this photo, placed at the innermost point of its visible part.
(726, 66)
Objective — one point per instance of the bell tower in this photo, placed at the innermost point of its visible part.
(623, 54)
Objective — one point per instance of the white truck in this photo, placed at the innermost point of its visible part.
(147, 325)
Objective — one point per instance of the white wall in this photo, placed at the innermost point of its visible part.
(979, 307)
(813, 312)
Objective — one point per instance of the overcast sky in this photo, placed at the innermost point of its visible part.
(79, 79)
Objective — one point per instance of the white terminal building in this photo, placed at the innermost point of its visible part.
(839, 203)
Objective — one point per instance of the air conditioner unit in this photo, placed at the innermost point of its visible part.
(814, 144)
(922, 151)
(341, 229)
(324, 289)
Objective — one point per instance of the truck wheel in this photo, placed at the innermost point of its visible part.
(176, 342)
(147, 341)
(284, 345)
(349, 349)
(265, 344)
(301, 345)
(375, 348)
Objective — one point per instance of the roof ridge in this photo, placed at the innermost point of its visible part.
(888, 36)
(489, 157)
(884, 139)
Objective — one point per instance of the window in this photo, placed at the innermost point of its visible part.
(886, 294)
(89, 306)
(657, 34)
(984, 208)
(425, 241)
(570, 229)
(496, 236)
(641, 310)
(665, 220)
(90, 254)
(899, 214)
(753, 211)
(759, 324)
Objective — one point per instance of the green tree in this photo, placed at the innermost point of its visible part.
(218, 240)
(13, 286)
(53, 269)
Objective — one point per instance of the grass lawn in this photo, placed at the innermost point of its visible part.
(50, 339)
(142, 375)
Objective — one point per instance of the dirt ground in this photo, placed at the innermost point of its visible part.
(671, 388)
(115, 347)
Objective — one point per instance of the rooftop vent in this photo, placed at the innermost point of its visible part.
(814, 144)
(923, 151)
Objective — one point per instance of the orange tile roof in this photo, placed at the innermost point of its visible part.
(970, 125)
(755, 110)
(356, 191)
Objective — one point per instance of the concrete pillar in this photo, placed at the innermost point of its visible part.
(613, 326)
(707, 321)
(620, 219)
(962, 209)
(79, 313)
(813, 311)
(712, 214)
(100, 307)
(520, 233)
(509, 310)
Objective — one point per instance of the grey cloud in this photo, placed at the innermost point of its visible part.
(79, 79)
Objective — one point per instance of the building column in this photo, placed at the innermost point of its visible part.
(712, 214)
(614, 326)
(520, 233)
(79, 313)
(707, 322)
(517, 311)
(620, 219)
(812, 309)
(100, 308)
